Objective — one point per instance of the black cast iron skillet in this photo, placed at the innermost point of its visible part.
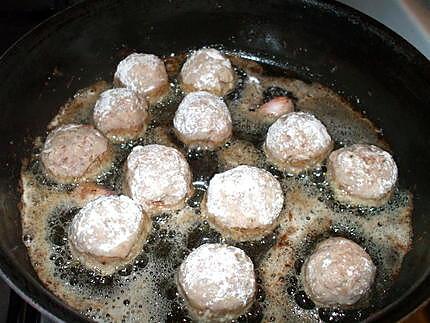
(319, 40)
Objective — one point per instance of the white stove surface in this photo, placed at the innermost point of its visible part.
(408, 18)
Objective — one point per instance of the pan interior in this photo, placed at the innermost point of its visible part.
(146, 289)
(318, 41)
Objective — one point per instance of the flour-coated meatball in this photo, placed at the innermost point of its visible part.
(339, 272)
(108, 230)
(207, 70)
(297, 141)
(75, 153)
(158, 177)
(144, 74)
(121, 115)
(202, 120)
(244, 202)
(217, 282)
(362, 174)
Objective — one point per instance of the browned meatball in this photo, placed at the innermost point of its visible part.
(74, 153)
(339, 272)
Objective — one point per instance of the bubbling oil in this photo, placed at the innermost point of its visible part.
(145, 289)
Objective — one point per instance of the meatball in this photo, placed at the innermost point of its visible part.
(339, 272)
(144, 74)
(75, 153)
(207, 70)
(157, 177)
(244, 202)
(362, 175)
(107, 232)
(297, 141)
(202, 120)
(217, 282)
(121, 114)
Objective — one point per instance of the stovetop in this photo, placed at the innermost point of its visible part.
(18, 17)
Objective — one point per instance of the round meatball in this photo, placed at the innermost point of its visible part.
(121, 114)
(75, 153)
(244, 202)
(297, 141)
(202, 120)
(362, 175)
(217, 281)
(339, 272)
(108, 231)
(158, 177)
(144, 74)
(207, 70)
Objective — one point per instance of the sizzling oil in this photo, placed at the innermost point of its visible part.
(145, 290)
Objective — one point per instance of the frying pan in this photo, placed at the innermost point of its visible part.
(318, 41)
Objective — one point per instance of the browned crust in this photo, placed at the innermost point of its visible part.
(89, 191)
